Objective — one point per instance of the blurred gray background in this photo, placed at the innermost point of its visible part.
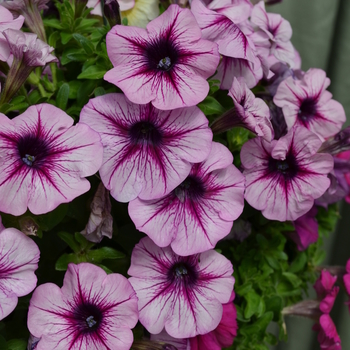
(321, 34)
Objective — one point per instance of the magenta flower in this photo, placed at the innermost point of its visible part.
(327, 334)
(7, 22)
(147, 152)
(19, 257)
(248, 112)
(346, 280)
(200, 211)
(284, 177)
(182, 294)
(92, 311)
(44, 160)
(307, 103)
(166, 64)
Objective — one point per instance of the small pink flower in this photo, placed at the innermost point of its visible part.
(346, 280)
(166, 64)
(147, 152)
(306, 103)
(284, 177)
(92, 311)
(327, 334)
(200, 211)
(326, 291)
(182, 294)
(19, 257)
(7, 22)
(44, 159)
(248, 112)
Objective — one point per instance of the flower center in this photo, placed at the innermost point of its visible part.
(164, 63)
(145, 133)
(32, 150)
(88, 317)
(307, 110)
(287, 167)
(183, 272)
(192, 188)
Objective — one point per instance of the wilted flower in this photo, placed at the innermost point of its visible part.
(100, 221)
(248, 112)
(200, 211)
(19, 257)
(44, 159)
(147, 152)
(111, 11)
(92, 310)
(284, 177)
(307, 103)
(182, 294)
(166, 64)
(7, 22)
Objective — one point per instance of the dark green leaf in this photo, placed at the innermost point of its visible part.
(74, 86)
(85, 43)
(98, 255)
(100, 91)
(70, 240)
(62, 96)
(65, 259)
(53, 23)
(73, 54)
(53, 38)
(211, 106)
(86, 24)
(298, 263)
(16, 344)
(66, 37)
(93, 72)
(253, 302)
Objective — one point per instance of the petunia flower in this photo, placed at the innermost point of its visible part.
(284, 177)
(92, 311)
(28, 52)
(19, 257)
(200, 211)
(182, 294)
(346, 280)
(7, 22)
(147, 152)
(166, 64)
(307, 103)
(248, 112)
(221, 337)
(327, 334)
(44, 159)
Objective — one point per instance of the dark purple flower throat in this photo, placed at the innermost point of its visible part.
(183, 272)
(288, 167)
(145, 132)
(192, 188)
(307, 110)
(32, 150)
(88, 317)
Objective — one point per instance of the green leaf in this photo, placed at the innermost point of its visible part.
(93, 72)
(53, 38)
(3, 344)
(85, 43)
(84, 92)
(66, 37)
(74, 86)
(275, 305)
(253, 302)
(86, 24)
(73, 54)
(70, 240)
(98, 255)
(298, 263)
(16, 344)
(244, 288)
(211, 106)
(65, 259)
(125, 21)
(100, 91)
(53, 23)
(17, 100)
(285, 289)
(62, 96)
(260, 325)
(48, 221)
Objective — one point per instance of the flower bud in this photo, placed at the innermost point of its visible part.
(112, 12)
(339, 143)
(79, 7)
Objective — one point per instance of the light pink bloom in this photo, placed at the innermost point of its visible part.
(248, 112)
(182, 294)
(124, 5)
(272, 36)
(44, 159)
(284, 177)
(7, 22)
(166, 64)
(307, 103)
(92, 311)
(19, 257)
(147, 152)
(221, 337)
(200, 211)
(237, 51)
(327, 334)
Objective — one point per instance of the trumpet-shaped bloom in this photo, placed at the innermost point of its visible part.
(182, 294)
(92, 311)
(147, 152)
(200, 211)
(306, 102)
(166, 64)
(7, 22)
(19, 257)
(44, 159)
(284, 177)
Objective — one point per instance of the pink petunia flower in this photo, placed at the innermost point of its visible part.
(182, 294)
(147, 152)
(7, 22)
(44, 159)
(327, 334)
(284, 177)
(248, 112)
(19, 257)
(200, 211)
(218, 23)
(306, 103)
(346, 281)
(166, 64)
(92, 311)
(221, 337)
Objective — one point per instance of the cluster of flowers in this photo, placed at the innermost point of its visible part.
(153, 148)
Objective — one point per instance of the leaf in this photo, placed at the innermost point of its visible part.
(53, 23)
(100, 91)
(84, 91)
(65, 259)
(253, 302)
(62, 96)
(53, 38)
(85, 43)
(16, 344)
(211, 106)
(66, 37)
(86, 24)
(93, 72)
(70, 240)
(73, 54)
(74, 86)
(98, 255)
(48, 221)
(299, 263)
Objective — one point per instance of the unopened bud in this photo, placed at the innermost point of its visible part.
(305, 308)
(112, 12)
